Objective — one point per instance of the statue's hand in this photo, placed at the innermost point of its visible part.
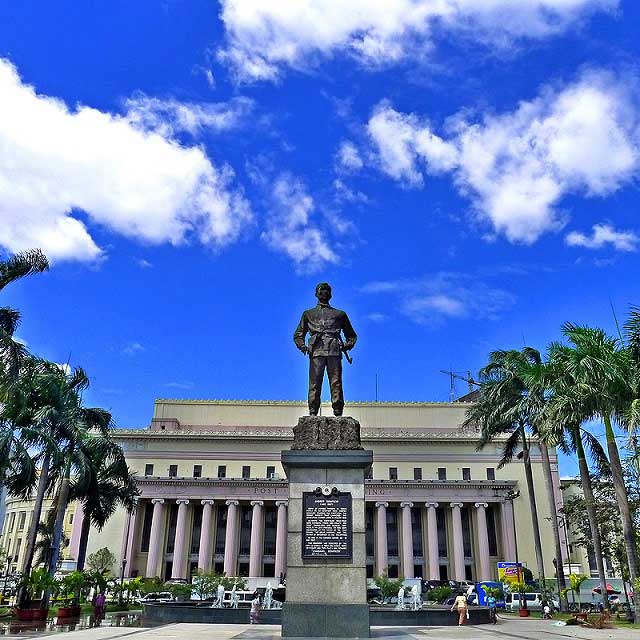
(305, 350)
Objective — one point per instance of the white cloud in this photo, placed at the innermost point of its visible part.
(263, 37)
(443, 295)
(583, 139)
(144, 264)
(132, 348)
(169, 116)
(61, 168)
(349, 156)
(602, 235)
(290, 229)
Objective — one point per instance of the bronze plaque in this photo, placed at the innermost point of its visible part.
(327, 526)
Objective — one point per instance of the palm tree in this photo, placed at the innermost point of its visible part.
(41, 406)
(602, 368)
(109, 485)
(11, 352)
(503, 409)
(561, 424)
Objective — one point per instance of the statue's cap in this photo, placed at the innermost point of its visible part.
(322, 284)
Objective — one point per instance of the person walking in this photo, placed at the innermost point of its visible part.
(254, 613)
(461, 604)
(492, 604)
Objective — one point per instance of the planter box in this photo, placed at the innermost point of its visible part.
(28, 615)
(523, 613)
(65, 612)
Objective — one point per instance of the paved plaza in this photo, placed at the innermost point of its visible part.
(507, 628)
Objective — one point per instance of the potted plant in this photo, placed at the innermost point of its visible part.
(521, 588)
(70, 587)
(35, 585)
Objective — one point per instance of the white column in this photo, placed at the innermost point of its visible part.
(432, 540)
(179, 567)
(508, 539)
(483, 542)
(230, 538)
(382, 559)
(458, 543)
(131, 539)
(255, 550)
(156, 539)
(281, 539)
(407, 540)
(206, 537)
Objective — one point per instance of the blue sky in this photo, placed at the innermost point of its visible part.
(465, 174)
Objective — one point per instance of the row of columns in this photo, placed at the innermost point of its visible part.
(205, 554)
(382, 560)
(180, 567)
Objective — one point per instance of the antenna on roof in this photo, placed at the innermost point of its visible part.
(453, 376)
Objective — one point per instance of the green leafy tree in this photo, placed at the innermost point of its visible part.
(179, 590)
(575, 582)
(101, 561)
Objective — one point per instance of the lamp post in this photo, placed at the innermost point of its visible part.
(123, 565)
(6, 575)
(511, 496)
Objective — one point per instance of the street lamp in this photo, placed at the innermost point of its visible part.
(510, 496)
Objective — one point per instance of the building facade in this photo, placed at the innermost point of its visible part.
(214, 494)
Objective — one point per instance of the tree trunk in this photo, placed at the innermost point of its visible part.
(623, 506)
(84, 540)
(534, 509)
(33, 526)
(548, 479)
(63, 499)
(591, 515)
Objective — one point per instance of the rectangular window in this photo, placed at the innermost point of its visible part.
(442, 473)
(392, 533)
(369, 517)
(416, 528)
(221, 528)
(393, 571)
(441, 523)
(148, 469)
(173, 470)
(370, 473)
(466, 531)
(491, 531)
(146, 528)
(417, 473)
(71, 518)
(21, 520)
(197, 471)
(171, 529)
(12, 520)
(246, 513)
(222, 471)
(466, 473)
(393, 473)
(196, 529)
(246, 472)
(491, 473)
(271, 471)
(270, 523)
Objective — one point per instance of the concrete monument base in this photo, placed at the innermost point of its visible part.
(326, 596)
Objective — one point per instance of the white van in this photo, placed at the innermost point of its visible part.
(533, 600)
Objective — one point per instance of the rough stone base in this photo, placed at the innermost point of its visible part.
(326, 432)
(325, 620)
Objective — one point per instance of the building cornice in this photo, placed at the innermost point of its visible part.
(303, 403)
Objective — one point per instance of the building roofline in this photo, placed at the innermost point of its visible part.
(303, 403)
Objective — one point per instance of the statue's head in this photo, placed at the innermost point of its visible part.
(323, 292)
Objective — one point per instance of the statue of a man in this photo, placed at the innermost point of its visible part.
(326, 327)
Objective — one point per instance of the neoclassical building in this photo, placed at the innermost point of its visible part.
(214, 495)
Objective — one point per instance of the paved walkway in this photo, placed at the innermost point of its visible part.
(515, 629)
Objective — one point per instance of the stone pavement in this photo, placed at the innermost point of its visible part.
(512, 628)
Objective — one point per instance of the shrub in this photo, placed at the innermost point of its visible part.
(439, 594)
(388, 587)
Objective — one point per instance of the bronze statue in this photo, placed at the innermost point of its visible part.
(326, 326)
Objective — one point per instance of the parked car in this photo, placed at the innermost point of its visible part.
(533, 600)
(156, 596)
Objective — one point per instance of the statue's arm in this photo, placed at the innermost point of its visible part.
(300, 334)
(350, 336)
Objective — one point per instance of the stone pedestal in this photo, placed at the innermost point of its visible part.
(326, 596)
